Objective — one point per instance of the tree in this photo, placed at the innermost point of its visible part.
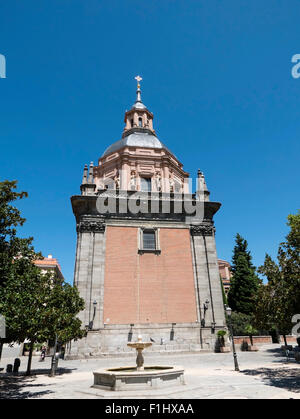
(289, 261)
(241, 247)
(36, 306)
(10, 244)
(40, 308)
(10, 219)
(279, 299)
(244, 282)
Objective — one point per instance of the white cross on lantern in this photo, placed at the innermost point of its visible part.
(138, 79)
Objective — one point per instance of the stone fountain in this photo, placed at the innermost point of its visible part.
(139, 377)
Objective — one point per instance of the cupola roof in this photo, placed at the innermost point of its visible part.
(136, 139)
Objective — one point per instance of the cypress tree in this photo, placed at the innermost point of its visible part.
(244, 282)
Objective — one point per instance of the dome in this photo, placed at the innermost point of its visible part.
(139, 105)
(136, 139)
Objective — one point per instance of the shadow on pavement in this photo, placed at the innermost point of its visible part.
(11, 388)
(46, 371)
(286, 378)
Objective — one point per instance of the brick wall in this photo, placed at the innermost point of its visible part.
(148, 288)
(259, 340)
(290, 339)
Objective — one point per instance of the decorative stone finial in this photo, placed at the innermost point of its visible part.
(91, 173)
(202, 190)
(88, 186)
(85, 174)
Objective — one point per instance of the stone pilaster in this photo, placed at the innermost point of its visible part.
(89, 270)
(216, 290)
(207, 279)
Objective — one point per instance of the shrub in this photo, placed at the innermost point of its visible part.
(221, 334)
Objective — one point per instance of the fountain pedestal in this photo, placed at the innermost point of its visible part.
(139, 346)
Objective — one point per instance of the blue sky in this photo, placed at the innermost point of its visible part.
(216, 75)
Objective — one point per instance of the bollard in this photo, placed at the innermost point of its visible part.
(9, 368)
(17, 364)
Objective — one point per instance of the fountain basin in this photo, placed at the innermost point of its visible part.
(129, 378)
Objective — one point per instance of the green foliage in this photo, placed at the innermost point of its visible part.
(62, 305)
(239, 322)
(223, 293)
(36, 346)
(10, 218)
(279, 300)
(221, 334)
(244, 282)
(250, 330)
(241, 247)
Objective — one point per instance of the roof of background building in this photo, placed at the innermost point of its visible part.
(49, 262)
(222, 261)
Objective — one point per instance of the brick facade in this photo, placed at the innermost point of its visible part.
(148, 288)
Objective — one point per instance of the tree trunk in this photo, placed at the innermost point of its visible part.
(285, 341)
(1, 346)
(29, 359)
(251, 340)
(54, 360)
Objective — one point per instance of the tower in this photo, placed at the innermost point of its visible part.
(146, 259)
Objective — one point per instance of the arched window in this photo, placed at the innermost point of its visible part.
(140, 122)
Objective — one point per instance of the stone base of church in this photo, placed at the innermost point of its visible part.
(111, 340)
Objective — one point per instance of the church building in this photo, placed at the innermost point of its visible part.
(146, 261)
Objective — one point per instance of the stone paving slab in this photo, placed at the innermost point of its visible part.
(264, 374)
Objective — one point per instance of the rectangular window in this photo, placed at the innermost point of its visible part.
(148, 241)
(146, 184)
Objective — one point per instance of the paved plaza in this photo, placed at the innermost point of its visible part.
(264, 374)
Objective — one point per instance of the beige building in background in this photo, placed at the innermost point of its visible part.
(50, 264)
(225, 273)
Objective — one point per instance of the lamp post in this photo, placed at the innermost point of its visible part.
(205, 308)
(236, 365)
(95, 307)
(91, 324)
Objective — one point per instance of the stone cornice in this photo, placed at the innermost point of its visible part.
(86, 206)
(202, 230)
(90, 226)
